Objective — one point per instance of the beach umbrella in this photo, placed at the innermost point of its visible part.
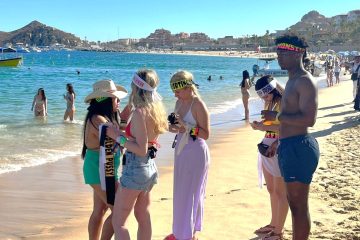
(354, 53)
(330, 51)
(342, 53)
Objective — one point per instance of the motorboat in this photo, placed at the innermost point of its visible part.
(35, 49)
(8, 50)
(266, 70)
(10, 62)
(21, 49)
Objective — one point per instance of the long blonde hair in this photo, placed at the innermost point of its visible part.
(140, 98)
(188, 77)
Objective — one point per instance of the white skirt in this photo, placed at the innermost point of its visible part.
(271, 164)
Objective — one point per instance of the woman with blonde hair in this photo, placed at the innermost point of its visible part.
(139, 174)
(191, 123)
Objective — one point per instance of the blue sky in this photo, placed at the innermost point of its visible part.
(111, 19)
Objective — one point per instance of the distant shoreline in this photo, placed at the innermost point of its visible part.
(241, 54)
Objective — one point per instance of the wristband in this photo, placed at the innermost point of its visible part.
(194, 131)
(121, 140)
(277, 116)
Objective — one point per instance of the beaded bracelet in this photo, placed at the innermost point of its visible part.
(121, 140)
(194, 131)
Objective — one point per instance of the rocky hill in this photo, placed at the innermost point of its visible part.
(310, 20)
(39, 34)
(322, 32)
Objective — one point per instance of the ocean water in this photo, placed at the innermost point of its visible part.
(27, 141)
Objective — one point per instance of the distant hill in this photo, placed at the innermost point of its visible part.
(311, 19)
(3, 35)
(39, 34)
(321, 32)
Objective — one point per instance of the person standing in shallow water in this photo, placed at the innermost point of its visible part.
(70, 102)
(245, 86)
(39, 104)
(191, 157)
(298, 152)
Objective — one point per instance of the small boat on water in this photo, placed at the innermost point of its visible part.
(266, 70)
(10, 62)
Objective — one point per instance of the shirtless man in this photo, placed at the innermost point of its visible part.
(298, 152)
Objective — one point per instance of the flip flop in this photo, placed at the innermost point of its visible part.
(273, 236)
(265, 229)
(170, 237)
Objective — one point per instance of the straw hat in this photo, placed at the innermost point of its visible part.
(106, 88)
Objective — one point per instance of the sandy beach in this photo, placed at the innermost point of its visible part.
(52, 202)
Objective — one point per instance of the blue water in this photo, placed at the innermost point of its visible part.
(27, 141)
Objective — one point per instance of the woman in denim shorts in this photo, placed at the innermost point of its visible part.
(147, 121)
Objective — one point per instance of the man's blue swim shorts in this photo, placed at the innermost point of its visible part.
(298, 158)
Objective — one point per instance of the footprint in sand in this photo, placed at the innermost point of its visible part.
(233, 190)
(164, 199)
(341, 211)
(319, 224)
(350, 208)
(353, 218)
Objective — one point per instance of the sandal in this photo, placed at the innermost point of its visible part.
(170, 237)
(266, 229)
(273, 236)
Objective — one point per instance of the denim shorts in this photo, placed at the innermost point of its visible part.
(138, 173)
(298, 158)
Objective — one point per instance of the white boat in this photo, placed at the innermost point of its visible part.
(35, 49)
(266, 70)
(20, 48)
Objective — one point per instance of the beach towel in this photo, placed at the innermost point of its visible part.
(107, 165)
(185, 138)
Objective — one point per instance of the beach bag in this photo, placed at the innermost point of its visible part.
(262, 147)
(354, 76)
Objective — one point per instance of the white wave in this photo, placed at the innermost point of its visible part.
(225, 106)
(40, 156)
(75, 122)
